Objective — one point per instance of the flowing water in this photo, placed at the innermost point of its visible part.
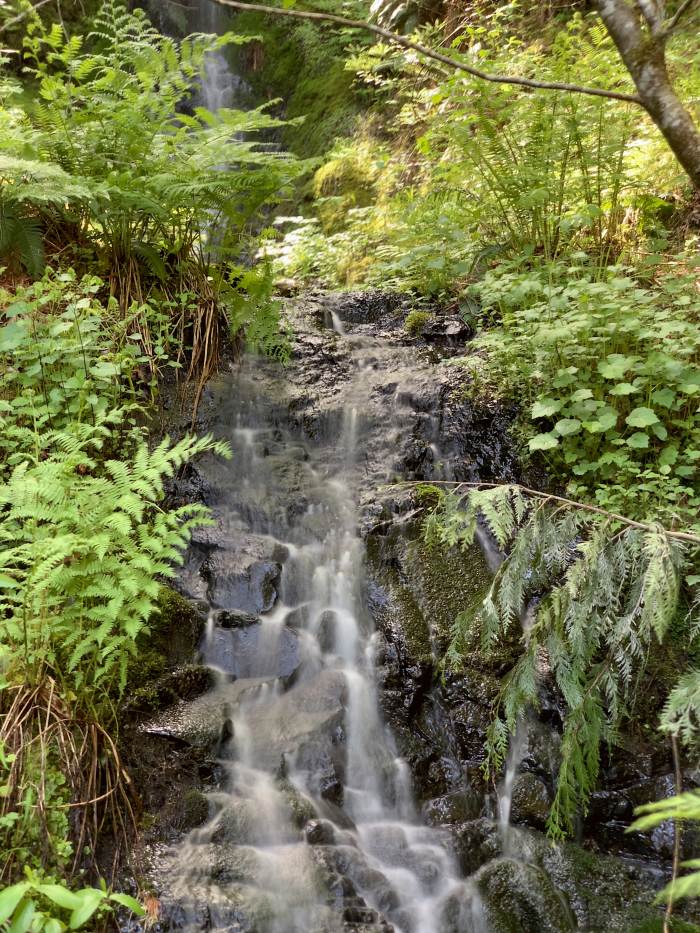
(313, 826)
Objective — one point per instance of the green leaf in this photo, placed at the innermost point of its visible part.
(641, 418)
(581, 395)
(639, 440)
(543, 442)
(567, 426)
(616, 365)
(60, 895)
(664, 397)
(22, 917)
(623, 388)
(10, 898)
(545, 407)
(12, 336)
(90, 900)
(668, 455)
(129, 902)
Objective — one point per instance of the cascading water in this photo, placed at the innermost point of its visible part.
(312, 826)
(219, 86)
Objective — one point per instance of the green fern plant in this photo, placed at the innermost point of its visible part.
(598, 594)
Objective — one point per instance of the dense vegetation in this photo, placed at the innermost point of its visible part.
(134, 245)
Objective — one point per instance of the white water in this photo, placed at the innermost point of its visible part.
(289, 736)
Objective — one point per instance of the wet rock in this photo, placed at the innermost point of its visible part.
(530, 801)
(456, 807)
(447, 330)
(520, 898)
(474, 843)
(195, 810)
(327, 628)
(320, 833)
(234, 618)
(183, 683)
(254, 650)
(252, 589)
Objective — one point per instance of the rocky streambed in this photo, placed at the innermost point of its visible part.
(307, 763)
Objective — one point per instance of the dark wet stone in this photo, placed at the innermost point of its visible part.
(252, 590)
(327, 627)
(320, 833)
(520, 898)
(475, 843)
(530, 801)
(183, 683)
(195, 809)
(234, 618)
(456, 807)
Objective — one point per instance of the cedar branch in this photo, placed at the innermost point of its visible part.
(571, 503)
(432, 53)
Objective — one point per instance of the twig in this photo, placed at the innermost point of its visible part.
(675, 19)
(431, 53)
(18, 19)
(644, 526)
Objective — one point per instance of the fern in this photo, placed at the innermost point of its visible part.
(602, 596)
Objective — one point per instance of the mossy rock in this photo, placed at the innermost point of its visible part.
(184, 683)
(170, 641)
(195, 809)
(520, 898)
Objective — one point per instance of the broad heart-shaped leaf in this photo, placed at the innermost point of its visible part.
(623, 388)
(13, 335)
(90, 900)
(641, 418)
(543, 442)
(129, 902)
(639, 440)
(664, 397)
(544, 407)
(581, 395)
(615, 365)
(567, 426)
(10, 898)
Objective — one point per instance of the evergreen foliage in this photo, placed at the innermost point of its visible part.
(587, 598)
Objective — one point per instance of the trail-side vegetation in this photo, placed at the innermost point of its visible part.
(127, 214)
(559, 225)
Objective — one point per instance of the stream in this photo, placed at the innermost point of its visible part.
(339, 771)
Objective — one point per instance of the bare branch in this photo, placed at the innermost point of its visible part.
(675, 19)
(432, 53)
(18, 19)
(653, 15)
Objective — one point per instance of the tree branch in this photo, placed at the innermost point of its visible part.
(653, 16)
(18, 19)
(550, 497)
(431, 53)
(675, 19)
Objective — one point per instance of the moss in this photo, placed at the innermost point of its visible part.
(195, 809)
(303, 64)
(447, 584)
(412, 621)
(171, 639)
(415, 322)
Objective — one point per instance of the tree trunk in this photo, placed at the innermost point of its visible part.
(645, 59)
